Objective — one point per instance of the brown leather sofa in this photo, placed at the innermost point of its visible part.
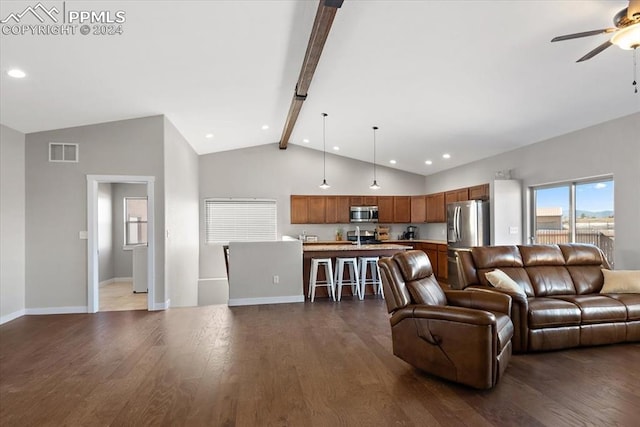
(457, 335)
(562, 305)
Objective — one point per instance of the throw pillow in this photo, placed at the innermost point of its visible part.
(499, 279)
(621, 282)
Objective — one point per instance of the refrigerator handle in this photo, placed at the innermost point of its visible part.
(455, 223)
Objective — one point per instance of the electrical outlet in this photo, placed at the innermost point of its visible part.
(276, 279)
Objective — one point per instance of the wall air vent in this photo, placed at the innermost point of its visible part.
(63, 152)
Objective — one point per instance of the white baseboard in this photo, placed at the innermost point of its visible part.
(57, 310)
(115, 280)
(11, 316)
(162, 305)
(234, 302)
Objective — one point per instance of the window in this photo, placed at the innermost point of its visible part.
(229, 220)
(135, 221)
(576, 212)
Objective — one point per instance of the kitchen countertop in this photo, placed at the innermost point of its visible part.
(391, 242)
(319, 247)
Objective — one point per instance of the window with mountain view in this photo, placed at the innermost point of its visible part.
(576, 212)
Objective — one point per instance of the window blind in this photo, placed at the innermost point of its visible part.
(240, 220)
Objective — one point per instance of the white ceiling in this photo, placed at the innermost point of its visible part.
(469, 78)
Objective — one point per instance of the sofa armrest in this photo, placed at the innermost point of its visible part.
(496, 302)
(450, 313)
(519, 310)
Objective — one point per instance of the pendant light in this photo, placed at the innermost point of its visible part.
(324, 184)
(375, 185)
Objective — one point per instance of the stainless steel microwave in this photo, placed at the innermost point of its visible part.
(363, 214)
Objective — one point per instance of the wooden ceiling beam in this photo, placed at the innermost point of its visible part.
(322, 24)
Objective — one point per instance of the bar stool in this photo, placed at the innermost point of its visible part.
(328, 274)
(353, 276)
(375, 279)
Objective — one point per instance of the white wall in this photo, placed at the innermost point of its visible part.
(56, 204)
(12, 224)
(255, 285)
(105, 233)
(609, 148)
(268, 172)
(181, 218)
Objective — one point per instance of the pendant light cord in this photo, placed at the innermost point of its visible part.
(324, 147)
(635, 69)
(374, 153)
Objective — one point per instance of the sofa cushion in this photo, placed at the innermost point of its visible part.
(587, 279)
(552, 312)
(541, 255)
(621, 281)
(498, 279)
(551, 280)
(631, 302)
(496, 256)
(597, 308)
(581, 254)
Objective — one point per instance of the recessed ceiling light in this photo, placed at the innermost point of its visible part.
(393, 162)
(209, 136)
(446, 156)
(16, 74)
(336, 148)
(428, 162)
(265, 127)
(305, 140)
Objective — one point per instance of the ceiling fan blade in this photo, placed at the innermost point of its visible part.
(633, 11)
(584, 34)
(595, 51)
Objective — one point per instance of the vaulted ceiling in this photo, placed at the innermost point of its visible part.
(468, 78)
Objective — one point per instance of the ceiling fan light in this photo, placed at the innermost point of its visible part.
(627, 38)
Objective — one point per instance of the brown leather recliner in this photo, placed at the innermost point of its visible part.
(461, 336)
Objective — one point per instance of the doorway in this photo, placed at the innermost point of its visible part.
(94, 184)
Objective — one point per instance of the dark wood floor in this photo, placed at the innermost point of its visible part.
(324, 364)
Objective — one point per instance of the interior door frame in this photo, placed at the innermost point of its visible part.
(92, 236)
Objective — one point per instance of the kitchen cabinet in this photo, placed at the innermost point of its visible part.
(299, 210)
(435, 208)
(459, 195)
(317, 206)
(479, 192)
(364, 200)
(342, 215)
(431, 249)
(331, 209)
(385, 209)
(443, 268)
(401, 209)
(418, 209)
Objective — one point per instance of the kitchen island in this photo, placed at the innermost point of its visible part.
(337, 249)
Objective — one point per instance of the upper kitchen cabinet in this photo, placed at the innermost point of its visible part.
(364, 200)
(317, 208)
(436, 208)
(479, 192)
(343, 209)
(418, 209)
(331, 209)
(459, 195)
(401, 209)
(385, 209)
(299, 210)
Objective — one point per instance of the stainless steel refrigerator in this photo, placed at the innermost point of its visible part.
(467, 226)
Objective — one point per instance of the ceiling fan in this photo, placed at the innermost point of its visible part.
(626, 33)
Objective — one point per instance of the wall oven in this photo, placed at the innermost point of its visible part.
(363, 214)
